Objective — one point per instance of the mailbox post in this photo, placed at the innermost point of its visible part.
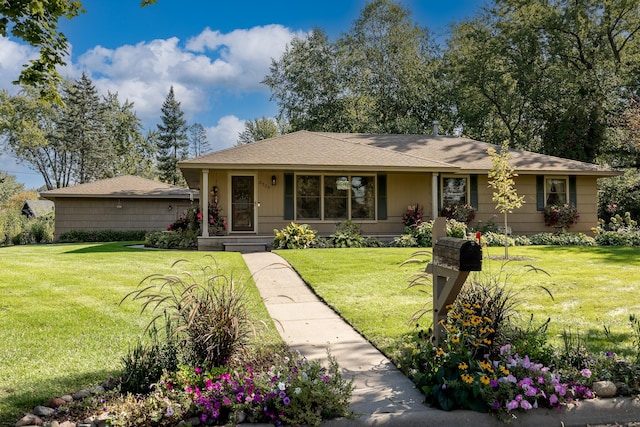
(451, 263)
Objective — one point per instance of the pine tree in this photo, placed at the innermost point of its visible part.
(198, 142)
(82, 131)
(172, 140)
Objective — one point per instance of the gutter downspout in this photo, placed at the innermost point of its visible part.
(434, 194)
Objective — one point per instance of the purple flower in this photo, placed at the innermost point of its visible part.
(512, 405)
(525, 405)
(495, 404)
(586, 373)
(553, 399)
(286, 400)
(494, 383)
(198, 370)
(531, 391)
(169, 411)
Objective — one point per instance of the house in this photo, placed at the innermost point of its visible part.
(37, 208)
(121, 204)
(322, 178)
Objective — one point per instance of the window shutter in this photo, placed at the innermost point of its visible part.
(289, 196)
(473, 191)
(382, 197)
(573, 190)
(540, 192)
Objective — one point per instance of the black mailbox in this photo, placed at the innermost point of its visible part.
(458, 254)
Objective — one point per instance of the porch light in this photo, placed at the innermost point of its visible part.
(273, 180)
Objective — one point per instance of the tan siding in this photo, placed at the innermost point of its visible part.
(90, 214)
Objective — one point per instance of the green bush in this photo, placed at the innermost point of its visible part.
(615, 238)
(562, 239)
(171, 239)
(81, 236)
(294, 236)
(145, 363)
(423, 232)
(42, 230)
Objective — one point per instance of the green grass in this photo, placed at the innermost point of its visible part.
(63, 327)
(592, 288)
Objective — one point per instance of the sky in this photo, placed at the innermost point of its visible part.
(213, 53)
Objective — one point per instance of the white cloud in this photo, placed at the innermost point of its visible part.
(225, 133)
(12, 58)
(211, 64)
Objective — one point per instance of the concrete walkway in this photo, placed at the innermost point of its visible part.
(383, 395)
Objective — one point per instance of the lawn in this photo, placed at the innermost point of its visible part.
(592, 288)
(63, 327)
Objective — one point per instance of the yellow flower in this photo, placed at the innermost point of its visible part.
(441, 322)
(484, 380)
(452, 329)
(469, 311)
(467, 378)
(439, 352)
(487, 341)
(485, 365)
(488, 319)
(466, 323)
(504, 370)
(476, 305)
(449, 307)
(456, 316)
(455, 339)
(476, 320)
(463, 366)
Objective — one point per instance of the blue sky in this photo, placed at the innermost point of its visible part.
(214, 54)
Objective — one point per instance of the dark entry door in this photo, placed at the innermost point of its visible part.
(242, 203)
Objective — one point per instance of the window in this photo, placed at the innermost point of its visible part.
(556, 191)
(308, 197)
(342, 197)
(454, 191)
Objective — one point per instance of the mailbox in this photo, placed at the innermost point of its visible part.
(457, 254)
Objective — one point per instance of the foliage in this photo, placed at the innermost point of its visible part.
(171, 239)
(198, 143)
(79, 236)
(8, 187)
(347, 235)
(293, 391)
(294, 236)
(172, 142)
(562, 239)
(498, 239)
(413, 216)
(36, 23)
(460, 212)
(377, 78)
(257, 130)
(145, 363)
(561, 216)
(423, 232)
(85, 139)
(405, 241)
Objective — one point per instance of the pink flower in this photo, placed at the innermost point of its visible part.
(553, 399)
(586, 373)
(525, 405)
(512, 405)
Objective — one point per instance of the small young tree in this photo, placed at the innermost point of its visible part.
(504, 192)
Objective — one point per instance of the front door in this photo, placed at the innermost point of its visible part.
(242, 203)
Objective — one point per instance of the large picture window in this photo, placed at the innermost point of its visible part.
(337, 197)
(454, 191)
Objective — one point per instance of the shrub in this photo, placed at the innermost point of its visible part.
(171, 239)
(412, 217)
(81, 236)
(210, 315)
(459, 212)
(294, 236)
(423, 233)
(42, 230)
(145, 363)
(405, 241)
(347, 235)
(561, 216)
(562, 239)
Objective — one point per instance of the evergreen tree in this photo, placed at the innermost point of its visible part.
(173, 143)
(257, 130)
(82, 130)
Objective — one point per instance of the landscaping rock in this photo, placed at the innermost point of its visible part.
(56, 402)
(68, 424)
(67, 398)
(604, 389)
(82, 394)
(43, 411)
(623, 389)
(29, 420)
(97, 389)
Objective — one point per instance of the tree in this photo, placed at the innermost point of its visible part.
(378, 78)
(504, 192)
(8, 187)
(132, 152)
(82, 131)
(257, 130)
(198, 142)
(173, 143)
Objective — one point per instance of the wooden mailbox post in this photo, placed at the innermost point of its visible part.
(451, 263)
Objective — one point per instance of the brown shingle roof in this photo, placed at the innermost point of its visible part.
(324, 150)
(126, 186)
